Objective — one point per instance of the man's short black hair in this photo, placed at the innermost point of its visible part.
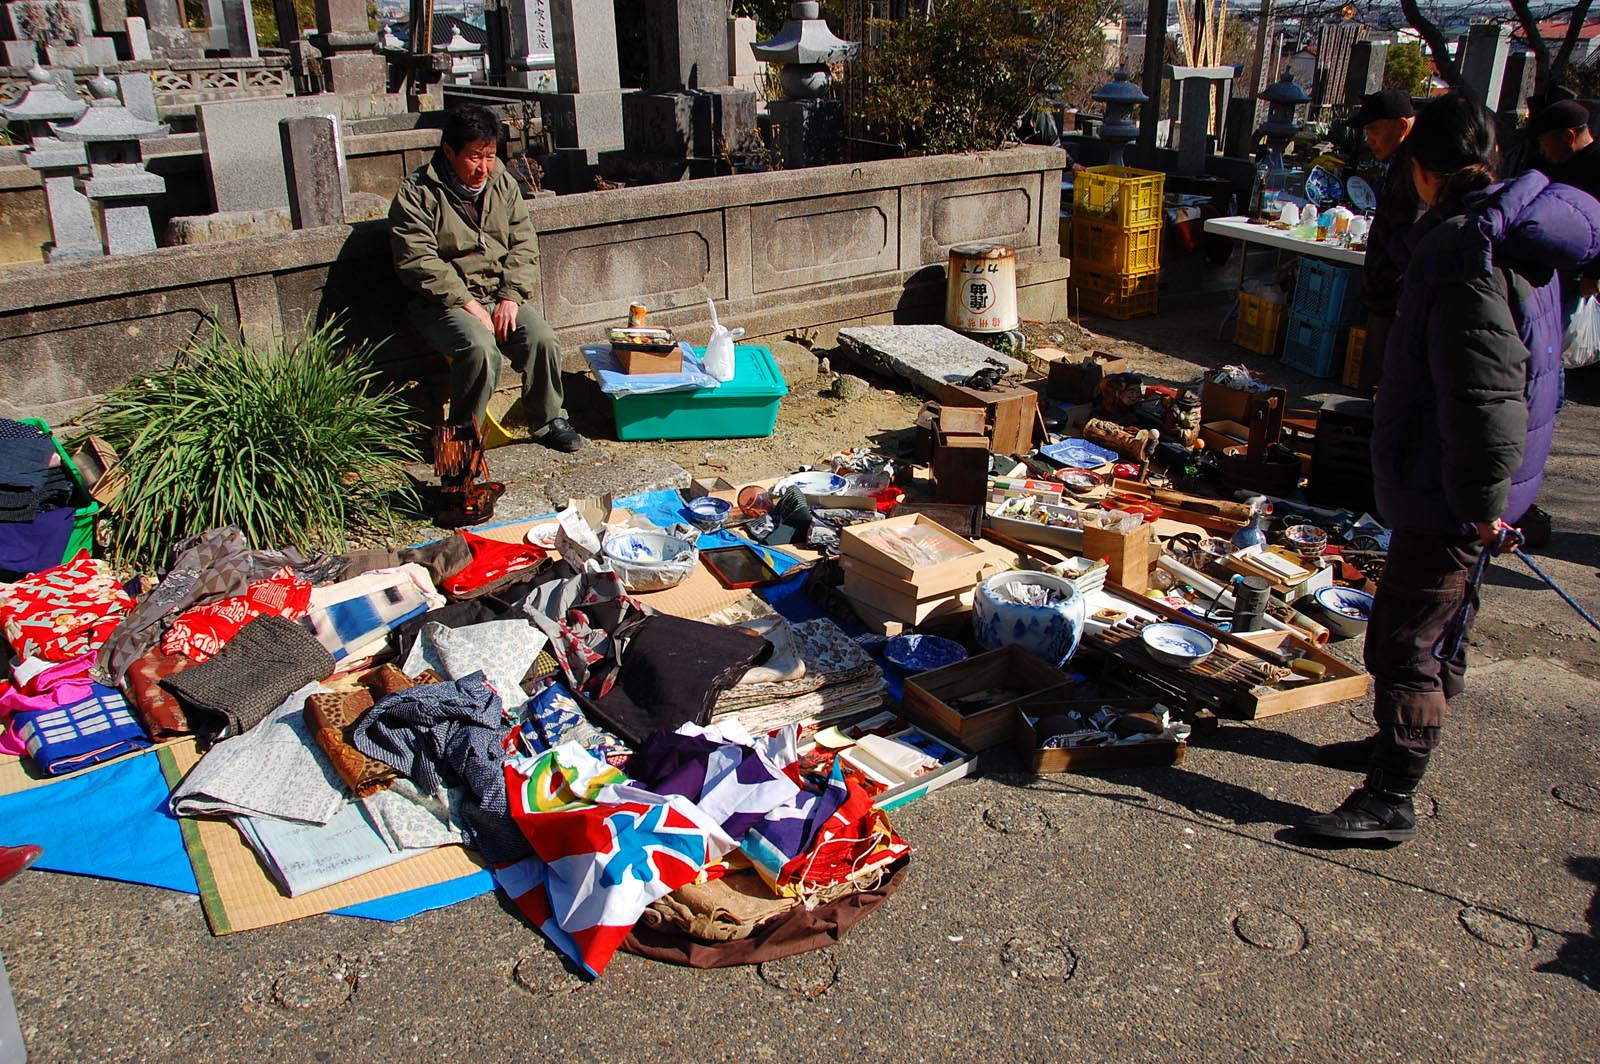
(470, 122)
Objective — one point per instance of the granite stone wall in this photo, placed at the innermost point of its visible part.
(804, 251)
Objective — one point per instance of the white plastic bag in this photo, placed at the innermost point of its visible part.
(719, 350)
(1582, 344)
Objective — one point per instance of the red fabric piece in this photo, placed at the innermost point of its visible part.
(199, 633)
(491, 560)
(65, 612)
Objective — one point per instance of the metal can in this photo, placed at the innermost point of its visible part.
(981, 293)
(636, 313)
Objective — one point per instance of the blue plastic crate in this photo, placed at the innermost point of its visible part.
(1327, 293)
(1313, 347)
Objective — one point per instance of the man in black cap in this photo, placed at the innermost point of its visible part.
(1562, 130)
(1386, 118)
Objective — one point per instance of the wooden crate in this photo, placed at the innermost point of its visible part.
(856, 542)
(1022, 675)
(1129, 554)
(1011, 412)
(1156, 752)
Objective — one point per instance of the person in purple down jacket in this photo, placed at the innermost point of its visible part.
(1462, 427)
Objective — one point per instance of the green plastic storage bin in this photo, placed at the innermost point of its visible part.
(744, 407)
(82, 537)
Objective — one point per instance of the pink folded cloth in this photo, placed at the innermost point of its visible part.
(39, 684)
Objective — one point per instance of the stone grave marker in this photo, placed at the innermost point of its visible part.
(243, 153)
(929, 356)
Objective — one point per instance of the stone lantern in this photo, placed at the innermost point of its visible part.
(1282, 97)
(1118, 128)
(118, 183)
(72, 231)
(807, 128)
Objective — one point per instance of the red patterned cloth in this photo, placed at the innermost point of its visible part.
(65, 612)
(201, 632)
(491, 560)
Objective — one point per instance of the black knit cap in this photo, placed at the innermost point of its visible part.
(1564, 114)
(1385, 103)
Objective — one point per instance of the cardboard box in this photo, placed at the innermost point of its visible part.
(1016, 675)
(1129, 555)
(1154, 752)
(1232, 404)
(1220, 435)
(968, 560)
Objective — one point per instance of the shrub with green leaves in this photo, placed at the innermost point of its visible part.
(295, 444)
(961, 76)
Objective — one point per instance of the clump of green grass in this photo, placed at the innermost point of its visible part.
(296, 444)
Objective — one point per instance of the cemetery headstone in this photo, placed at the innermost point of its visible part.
(243, 153)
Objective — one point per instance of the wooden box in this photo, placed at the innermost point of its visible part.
(856, 541)
(1078, 381)
(1155, 752)
(649, 359)
(1128, 554)
(1011, 413)
(1340, 680)
(1016, 676)
(961, 469)
(900, 599)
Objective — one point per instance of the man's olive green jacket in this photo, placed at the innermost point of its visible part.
(443, 258)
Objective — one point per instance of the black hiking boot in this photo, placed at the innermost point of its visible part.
(1366, 816)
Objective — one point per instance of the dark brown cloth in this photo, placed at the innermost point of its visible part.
(332, 715)
(671, 674)
(158, 710)
(800, 930)
(269, 660)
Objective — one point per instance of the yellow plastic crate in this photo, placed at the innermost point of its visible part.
(1353, 349)
(1260, 325)
(1109, 295)
(1105, 248)
(1119, 195)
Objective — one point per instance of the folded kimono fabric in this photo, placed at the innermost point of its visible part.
(214, 565)
(554, 717)
(332, 716)
(39, 685)
(36, 545)
(819, 707)
(351, 628)
(830, 657)
(273, 770)
(786, 662)
(493, 562)
(449, 734)
(306, 857)
(671, 673)
(504, 651)
(200, 632)
(268, 660)
(162, 715)
(85, 733)
(63, 612)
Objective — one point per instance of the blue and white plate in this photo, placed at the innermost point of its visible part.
(1323, 186)
(1347, 610)
(1177, 644)
(1079, 454)
(817, 482)
(1361, 195)
(919, 653)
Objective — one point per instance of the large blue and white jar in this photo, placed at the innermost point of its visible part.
(1051, 629)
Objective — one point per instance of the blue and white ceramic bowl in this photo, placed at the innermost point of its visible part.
(1346, 610)
(920, 653)
(817, 482)
(646, 548)
(1052, 631)
(708, 512)
(1177, 645)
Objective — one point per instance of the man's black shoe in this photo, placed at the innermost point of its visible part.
(560, 436)
(1368, 815)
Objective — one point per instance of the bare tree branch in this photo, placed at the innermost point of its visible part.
(1442, 60)
(1536, 45)
(1558, 67)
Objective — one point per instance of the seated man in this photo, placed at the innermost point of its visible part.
(464, 245)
